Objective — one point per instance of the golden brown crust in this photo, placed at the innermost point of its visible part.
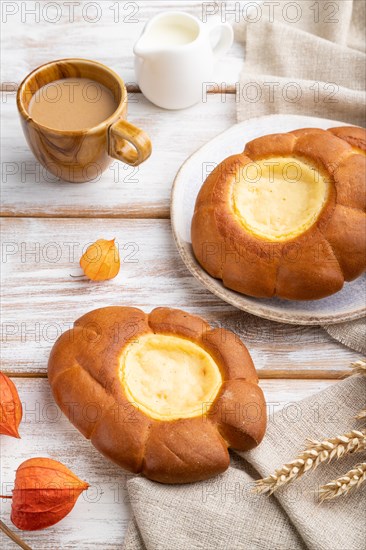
(310, 266)
(83, 371)
(349, 244)
(121, 435)
(230, 354)
(237, 406)
(177, 322)
(274, 144)
(323, 149)
(354, 135)
(350, 182)
(185, 450)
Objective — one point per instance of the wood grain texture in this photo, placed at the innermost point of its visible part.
(122, 190)
(79, 155)
(101, 514)
(7, 532)
(37, 32)
(41, 299)
(263, 374)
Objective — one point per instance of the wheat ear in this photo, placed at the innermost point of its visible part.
(315, 453)
(359, 367)
(343, 485)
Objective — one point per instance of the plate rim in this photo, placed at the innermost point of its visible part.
(226, 294)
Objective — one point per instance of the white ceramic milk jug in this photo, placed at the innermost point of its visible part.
(175, 57)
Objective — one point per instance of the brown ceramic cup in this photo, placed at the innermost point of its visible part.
(81, 155)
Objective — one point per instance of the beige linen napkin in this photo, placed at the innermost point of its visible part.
(223, 514)
(307, 59)
(307, 67)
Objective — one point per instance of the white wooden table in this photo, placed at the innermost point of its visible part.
(47, 224)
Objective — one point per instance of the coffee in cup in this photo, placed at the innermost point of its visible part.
(73, 113)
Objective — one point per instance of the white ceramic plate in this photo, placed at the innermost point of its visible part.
(346, 305)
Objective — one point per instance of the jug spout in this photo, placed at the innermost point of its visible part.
(142, 48)
(167, 32)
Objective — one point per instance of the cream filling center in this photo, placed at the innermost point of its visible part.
(169, 377)
(279, 198)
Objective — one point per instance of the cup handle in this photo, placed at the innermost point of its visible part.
(226, 38)
(128, 143)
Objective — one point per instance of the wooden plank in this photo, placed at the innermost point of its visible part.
(122, 191)
(304, 374)
(263, 374)
(101, 514)
(41, 299)
(37, 32)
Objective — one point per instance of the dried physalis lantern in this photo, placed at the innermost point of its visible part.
(10, 407)
(101, 261)
(45, 491)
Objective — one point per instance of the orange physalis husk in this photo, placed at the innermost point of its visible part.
(101, 260)
(10, 407)
(45, 491)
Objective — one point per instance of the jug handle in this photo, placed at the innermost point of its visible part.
(226, 38)
(128, 143)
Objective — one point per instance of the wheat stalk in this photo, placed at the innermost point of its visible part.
(361, 415)
(315, 453)
(359, 367)
(343, 485)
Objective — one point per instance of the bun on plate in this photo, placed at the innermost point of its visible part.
(286, 217)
